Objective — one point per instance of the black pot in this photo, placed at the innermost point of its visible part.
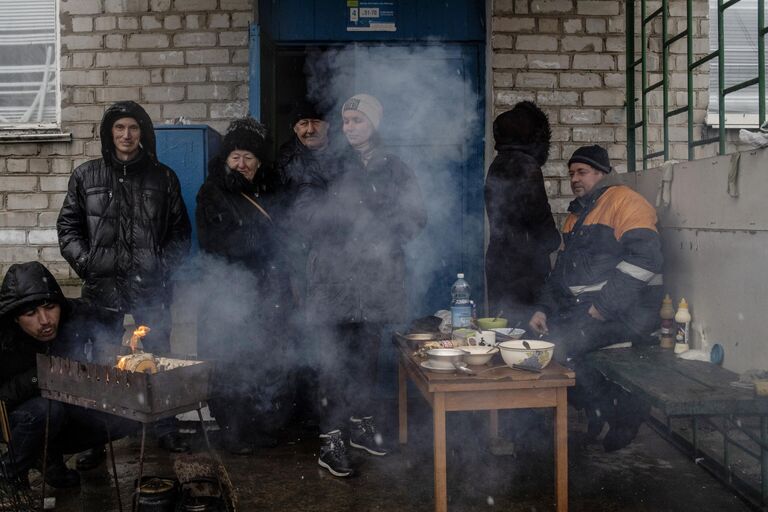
(157, 494)
(202, 504)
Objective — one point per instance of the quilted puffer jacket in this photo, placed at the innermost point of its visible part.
(124, 226)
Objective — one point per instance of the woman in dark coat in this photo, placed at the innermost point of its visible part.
(522, 230)
(242, 313)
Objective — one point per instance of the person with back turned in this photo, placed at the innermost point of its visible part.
(522, 230)
(36, 318)
(605, 289)
(124, 229)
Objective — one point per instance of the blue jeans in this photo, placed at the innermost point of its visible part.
(71, 429)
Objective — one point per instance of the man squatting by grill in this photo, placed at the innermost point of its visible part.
(36, 318)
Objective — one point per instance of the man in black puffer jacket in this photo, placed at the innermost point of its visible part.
(36, 318)
(124, 228)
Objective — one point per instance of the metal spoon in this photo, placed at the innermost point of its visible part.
(462, 367)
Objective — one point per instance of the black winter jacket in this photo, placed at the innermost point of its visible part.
(357, 220)
(611, 258)
(300, 171)
(124, 226)
(522, 230)
(83, 331)
(229, 225)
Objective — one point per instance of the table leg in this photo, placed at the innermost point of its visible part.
(441, 485)
(494, 423)
(136, 504)
(114, 467)
(561, 450)
(402, 402)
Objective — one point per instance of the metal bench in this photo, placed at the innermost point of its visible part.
(690, 396)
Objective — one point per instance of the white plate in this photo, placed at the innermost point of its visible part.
(425, 364)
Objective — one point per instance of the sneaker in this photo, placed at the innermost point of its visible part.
(333, 454)
(363, 436)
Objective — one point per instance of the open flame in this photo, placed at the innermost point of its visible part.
(138, 362)
(139, 333)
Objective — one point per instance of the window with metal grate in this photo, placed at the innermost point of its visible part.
(29, 65)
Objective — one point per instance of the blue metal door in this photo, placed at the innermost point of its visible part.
(186, 149)
(449, 169)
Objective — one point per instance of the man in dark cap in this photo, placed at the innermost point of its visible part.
(301, 161)
(124, 229)
(36, 318)
(606, 287)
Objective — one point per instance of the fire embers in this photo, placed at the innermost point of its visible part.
(137, 361)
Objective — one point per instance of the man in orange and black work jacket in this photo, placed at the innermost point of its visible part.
(605, 288)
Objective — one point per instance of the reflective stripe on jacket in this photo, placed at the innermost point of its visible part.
(611, 258)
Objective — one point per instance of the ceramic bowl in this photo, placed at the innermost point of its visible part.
(478, 355)
(491, 323)
(444, 357)
(538, 356)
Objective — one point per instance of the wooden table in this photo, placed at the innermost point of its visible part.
(502, 388)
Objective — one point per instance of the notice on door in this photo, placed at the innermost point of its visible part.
(370, 16)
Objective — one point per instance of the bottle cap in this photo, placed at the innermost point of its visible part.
(460, 275)
(667, 300)
(683, 304)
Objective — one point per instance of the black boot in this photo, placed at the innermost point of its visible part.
(173, 442)
(363, 435)
(91, 458)
(333, 454)
(628, 414)
(58, 475)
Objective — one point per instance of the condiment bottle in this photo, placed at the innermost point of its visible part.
(683, 320)
(667, 314)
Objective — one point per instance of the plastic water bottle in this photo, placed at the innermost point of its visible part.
(461, 306)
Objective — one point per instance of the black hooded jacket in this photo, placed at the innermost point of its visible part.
(123, 226)
(24, 285)
(231, 226)
(522, 230)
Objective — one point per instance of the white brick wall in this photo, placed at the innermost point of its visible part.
(176, 57)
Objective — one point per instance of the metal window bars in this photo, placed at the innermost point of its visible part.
(28, 64)
(692, 65)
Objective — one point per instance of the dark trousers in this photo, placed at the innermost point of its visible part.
(347, 361)
(71, 429)
(576, 334)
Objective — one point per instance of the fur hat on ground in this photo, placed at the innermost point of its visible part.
(245, 134)
(366, 104)
(596, 156)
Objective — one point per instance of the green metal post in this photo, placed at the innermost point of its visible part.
(761, 59)
(691, 100)
(764, 460)
(665, 75)
(721, 73)
(644, 78)
(630, 56)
